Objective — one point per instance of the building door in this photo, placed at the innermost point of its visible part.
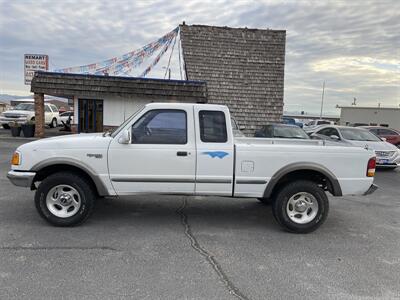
(90, 115)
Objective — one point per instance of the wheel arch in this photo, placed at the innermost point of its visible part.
(308, 171)
(51, 166)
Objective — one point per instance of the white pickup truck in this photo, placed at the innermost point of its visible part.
(189, 149)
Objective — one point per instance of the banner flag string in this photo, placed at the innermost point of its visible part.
(125, 63)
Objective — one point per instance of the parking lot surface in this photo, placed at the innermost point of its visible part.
(172, 247)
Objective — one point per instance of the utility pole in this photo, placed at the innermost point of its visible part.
(322, 99)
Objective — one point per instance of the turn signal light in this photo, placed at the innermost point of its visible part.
(371, 167)
(16, 159)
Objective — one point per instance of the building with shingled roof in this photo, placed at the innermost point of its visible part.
(243, 68)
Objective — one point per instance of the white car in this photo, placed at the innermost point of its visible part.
(388, 155)
(315, 123)
(189, 149)
(25, 112)
(65, 116)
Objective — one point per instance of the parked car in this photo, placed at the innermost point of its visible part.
(292, 121)
(315, 123)
(25, 112)
(281, 131)
(387, 155)
(189, 149)
(67, 115)
(390, 135)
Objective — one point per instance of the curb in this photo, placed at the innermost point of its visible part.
(12, 138)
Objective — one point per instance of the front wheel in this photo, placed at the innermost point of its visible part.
(301, 206)
(65, 199)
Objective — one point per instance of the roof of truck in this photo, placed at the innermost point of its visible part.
(179, 104)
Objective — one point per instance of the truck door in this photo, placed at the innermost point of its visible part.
(215, 154)
(161, 157)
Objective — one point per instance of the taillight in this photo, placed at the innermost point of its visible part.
(371, 167)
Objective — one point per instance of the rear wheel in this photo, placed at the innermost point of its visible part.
(301, 206)
(53, 123)
(6, 126)
(65, 199)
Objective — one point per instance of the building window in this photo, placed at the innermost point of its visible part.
(161, 126)
(212, 126)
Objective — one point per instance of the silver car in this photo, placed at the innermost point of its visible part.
(387, 155)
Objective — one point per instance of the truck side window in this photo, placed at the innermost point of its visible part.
(161, 126)
(212, 126)
(47, 108)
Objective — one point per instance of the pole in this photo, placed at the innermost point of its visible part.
(322, 99)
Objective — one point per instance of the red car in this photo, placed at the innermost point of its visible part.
(391, 135)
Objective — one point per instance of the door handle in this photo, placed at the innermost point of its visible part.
(181, 153)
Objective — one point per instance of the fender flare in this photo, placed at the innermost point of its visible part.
(101, 188)
(303, 166)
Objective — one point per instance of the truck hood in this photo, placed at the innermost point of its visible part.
(72, 141)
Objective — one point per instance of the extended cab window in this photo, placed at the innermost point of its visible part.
(161, 126)
(212, 126)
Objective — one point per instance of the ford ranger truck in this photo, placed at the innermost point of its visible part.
(189, 149)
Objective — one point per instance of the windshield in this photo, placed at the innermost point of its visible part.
(290, 132)
(25, 106)
(357, 134)
(126, 122)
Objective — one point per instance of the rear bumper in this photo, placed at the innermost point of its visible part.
(23, 179)
(371, 189)
(392, 165)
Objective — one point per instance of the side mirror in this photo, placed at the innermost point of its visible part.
(125, 137)
(335, 137)
(383, 139)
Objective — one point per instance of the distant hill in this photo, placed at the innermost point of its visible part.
(6, 97)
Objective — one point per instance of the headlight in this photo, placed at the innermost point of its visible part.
(16, 159)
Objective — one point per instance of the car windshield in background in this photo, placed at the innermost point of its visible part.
(25, 106)
(354, 134)
(290, 132)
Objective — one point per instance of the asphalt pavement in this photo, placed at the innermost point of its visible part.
(171, 247)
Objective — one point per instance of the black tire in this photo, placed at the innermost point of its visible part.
(6, 126)
(266, 201)
(53, 123)
(82, 186)
(281, 203)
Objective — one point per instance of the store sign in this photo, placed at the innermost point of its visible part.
(34, 62)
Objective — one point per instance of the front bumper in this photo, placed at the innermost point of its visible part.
(23, 179)
(371, 189)
(6, 120)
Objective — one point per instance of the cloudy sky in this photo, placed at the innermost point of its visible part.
(353, 45)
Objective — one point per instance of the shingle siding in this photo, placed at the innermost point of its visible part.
(99, 87)
(243, 68)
